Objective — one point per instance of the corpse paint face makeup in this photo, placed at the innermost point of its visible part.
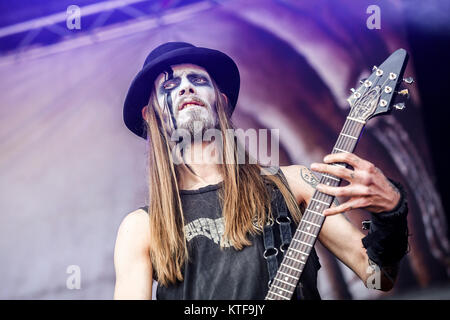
(185, 94)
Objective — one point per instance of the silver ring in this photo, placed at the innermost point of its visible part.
(270, 222)
(287, 247)
(289, 220)
(265, 251)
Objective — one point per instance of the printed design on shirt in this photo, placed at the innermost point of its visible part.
(213, 229)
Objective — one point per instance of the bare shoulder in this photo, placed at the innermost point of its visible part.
(301, 181)
(132, 258)
(134, 229)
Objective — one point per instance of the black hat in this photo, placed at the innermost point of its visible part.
(220, 67)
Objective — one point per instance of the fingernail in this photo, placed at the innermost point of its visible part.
(314, 166)
(325, 159)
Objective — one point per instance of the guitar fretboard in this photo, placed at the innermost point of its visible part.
(304, 238)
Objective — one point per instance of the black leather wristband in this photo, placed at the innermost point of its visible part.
(387, 241)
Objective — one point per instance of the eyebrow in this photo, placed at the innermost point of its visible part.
(196, 74)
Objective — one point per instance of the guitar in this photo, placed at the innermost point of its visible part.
(375, 96)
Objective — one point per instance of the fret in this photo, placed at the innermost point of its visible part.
(295, 260)
(326, 196)
(309, 234)
(312, 223)
(289, 284)
(348, 136)
(325, 203)
(326, 175)
(278, 295)
(287, 274)
(340, 150)
(281, 289)
(299, 251)
(357, 120)
(285, 265)
(309, 245)
(315, 212)
(307, 228)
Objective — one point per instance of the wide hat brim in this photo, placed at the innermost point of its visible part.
(219, 66)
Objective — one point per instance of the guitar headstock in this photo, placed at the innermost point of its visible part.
(377, 93)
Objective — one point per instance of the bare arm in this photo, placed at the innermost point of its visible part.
(131, 258)
(338, 235)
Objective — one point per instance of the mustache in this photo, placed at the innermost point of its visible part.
(191, 99)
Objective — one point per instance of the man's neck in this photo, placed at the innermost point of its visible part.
(202, 158)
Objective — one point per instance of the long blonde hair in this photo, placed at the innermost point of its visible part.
(245, 200)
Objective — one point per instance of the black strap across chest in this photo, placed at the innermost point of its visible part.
(280, 213)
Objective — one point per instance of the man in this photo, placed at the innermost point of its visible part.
(204, 233)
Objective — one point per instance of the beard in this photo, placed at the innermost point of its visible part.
(196, 121)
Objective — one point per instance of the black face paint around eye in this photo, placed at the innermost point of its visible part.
(198, 80)
(169, 85)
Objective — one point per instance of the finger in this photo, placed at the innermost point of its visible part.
(349, 158)
(347, 191)
(351, 204)
(337, 171)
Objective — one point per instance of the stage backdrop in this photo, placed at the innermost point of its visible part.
(71, 171)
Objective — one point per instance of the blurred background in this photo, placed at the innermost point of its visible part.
(70, 170)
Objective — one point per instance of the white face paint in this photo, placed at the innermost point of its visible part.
(191, 96)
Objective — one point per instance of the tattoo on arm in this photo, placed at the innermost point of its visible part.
(311, 179)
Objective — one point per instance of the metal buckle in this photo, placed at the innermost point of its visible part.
(283, 247)
(270, 222)
(265, 255)
(366, 224)
(287, 218)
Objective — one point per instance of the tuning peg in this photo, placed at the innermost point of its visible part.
(400, 106)
(353, 90)
(374, 68)
(404, 93)
(362, 80)
(408, 80)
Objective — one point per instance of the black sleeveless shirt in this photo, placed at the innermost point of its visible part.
(224, 273)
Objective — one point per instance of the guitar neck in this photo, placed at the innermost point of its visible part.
(304, 238)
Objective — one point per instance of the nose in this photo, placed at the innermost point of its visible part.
(183, 91)
(186, 88)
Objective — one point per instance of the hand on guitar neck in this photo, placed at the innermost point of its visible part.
(368, 187)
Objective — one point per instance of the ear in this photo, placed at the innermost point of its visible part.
(144, 113)
(225, 97)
